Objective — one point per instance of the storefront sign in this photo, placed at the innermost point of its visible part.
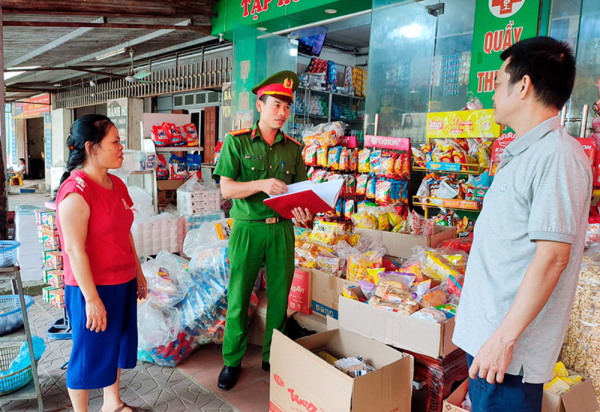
(465, 124)
(48, 139)
(498, 25)
(32, 107)
(117, 113)
(349, 141)
(392, 143)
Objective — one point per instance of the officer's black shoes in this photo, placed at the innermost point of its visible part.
(228, 377)
(266, 366)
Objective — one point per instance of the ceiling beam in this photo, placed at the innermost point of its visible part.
(53, 44)
(130, 43)
(191, 27)
(74, 68)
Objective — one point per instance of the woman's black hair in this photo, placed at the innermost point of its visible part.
(89, 128)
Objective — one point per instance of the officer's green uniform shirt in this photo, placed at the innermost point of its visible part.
(246, 157)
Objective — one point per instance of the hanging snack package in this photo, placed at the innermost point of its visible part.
(363, 161)
(310, 155)
(349, 185)
(322, 156)
(344, 161)
(352, 160)
(375, 161)
(371, 187)
(177, 168)
(339, 207)
(333, 157)
(383, 190)
(191, 134)
(361, 184)
(310, 173)
(319, 176)
(162, 170)
(159, 136)
(348, 208)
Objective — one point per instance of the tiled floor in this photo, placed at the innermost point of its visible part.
(147, 386)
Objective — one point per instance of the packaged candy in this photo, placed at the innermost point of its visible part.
(159, 136)
(177, 168)
(324, 232)
(319, 176)
(367, 288)
(365, 220)
(344, 163)
(310, 172)
(382, 192)
(310, 155)
(322, 156)
(384, 222)
(435, 297)
(348, 208)
(361, 184)
(358, 265)
(449, 309)
(364, 165)
(328, 263)
(436, 267)
(405, 308)
(349, 185)
(339, 207)
(190, 134)
(352, 160)
(333, 158)
(334, 176)
(162, 170)
(371, 187)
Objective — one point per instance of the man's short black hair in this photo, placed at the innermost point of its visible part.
(550, 65)
(23, 160)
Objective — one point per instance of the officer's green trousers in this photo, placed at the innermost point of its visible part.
(251, 244)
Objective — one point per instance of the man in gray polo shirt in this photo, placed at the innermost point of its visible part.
(529, 238)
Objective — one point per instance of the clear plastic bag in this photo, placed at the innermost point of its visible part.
(157, 325)
(168, 279)
(208, 232)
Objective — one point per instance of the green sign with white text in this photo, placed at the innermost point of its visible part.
(498, 25)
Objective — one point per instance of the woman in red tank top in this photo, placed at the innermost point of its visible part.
(103, 274)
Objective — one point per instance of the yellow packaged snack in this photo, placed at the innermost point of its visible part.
(358, 265)
(322, 156)
(437, 268)
(374, 275)
(324, 232)
(365, 220)
(349, 293)
(384, 222)
(395, 219)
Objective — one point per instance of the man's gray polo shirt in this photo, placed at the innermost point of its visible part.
(541, 191)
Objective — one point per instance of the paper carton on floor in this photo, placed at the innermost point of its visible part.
(301, 381)
(300, 298)
(400, 244)
(326, 292)
(401, 331)
(580, 398)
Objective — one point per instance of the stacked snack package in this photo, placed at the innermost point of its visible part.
(471, 154)
(581, 347)
(52, 257)
(187, 301)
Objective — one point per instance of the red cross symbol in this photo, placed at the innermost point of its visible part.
(506, 6)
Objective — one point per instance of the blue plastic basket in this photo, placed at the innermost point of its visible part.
(8, 253)
(14, 381)
(11, 317)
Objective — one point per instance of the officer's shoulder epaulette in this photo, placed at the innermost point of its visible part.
(239, 132)
(293, 140)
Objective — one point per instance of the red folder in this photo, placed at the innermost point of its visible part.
(304, 199)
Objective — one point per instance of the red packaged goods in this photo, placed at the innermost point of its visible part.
(190, 134)
(177, 138)
(159, 136)
(162, 170)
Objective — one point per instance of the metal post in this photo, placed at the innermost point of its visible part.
(584, 118)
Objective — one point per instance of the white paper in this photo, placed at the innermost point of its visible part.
(328, 191)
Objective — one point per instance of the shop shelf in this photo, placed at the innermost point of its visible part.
(455, 204)
(443, 167)
(179, 149)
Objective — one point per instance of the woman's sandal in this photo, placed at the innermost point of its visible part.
(133, 408)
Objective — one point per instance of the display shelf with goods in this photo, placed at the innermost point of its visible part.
(54, 276)
(458, 155)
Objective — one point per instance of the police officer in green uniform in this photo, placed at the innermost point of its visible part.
(254, 164)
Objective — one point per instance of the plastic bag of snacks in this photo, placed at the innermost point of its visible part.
(358, 265)
(419, 226)
(326, 134)
(157, 325)
(168, 279)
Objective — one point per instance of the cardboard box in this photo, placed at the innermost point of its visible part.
(300, 297)
(258, 323)
(400, 244)
(401, 331)
(581, 398)
(301, 381)
(326, 292)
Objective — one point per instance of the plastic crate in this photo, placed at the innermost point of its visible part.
(15, 381)
(11, 317)
(8, 253)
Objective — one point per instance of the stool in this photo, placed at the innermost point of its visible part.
(440, 374)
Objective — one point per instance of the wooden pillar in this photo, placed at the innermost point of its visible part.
(210, 133)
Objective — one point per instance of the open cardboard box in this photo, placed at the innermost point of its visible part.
(326, 292)
(580, 398)
(300, 380)
(400, 244)
(401, 331)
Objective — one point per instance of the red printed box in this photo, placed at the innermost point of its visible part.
(300, 298)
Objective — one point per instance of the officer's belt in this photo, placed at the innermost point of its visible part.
(270, 220)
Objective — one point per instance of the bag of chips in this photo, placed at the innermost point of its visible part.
(333, 157)
(310, 155)
(344, 163)
(322, 156)
(364, 165)
(383, 190)
(361, 184)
